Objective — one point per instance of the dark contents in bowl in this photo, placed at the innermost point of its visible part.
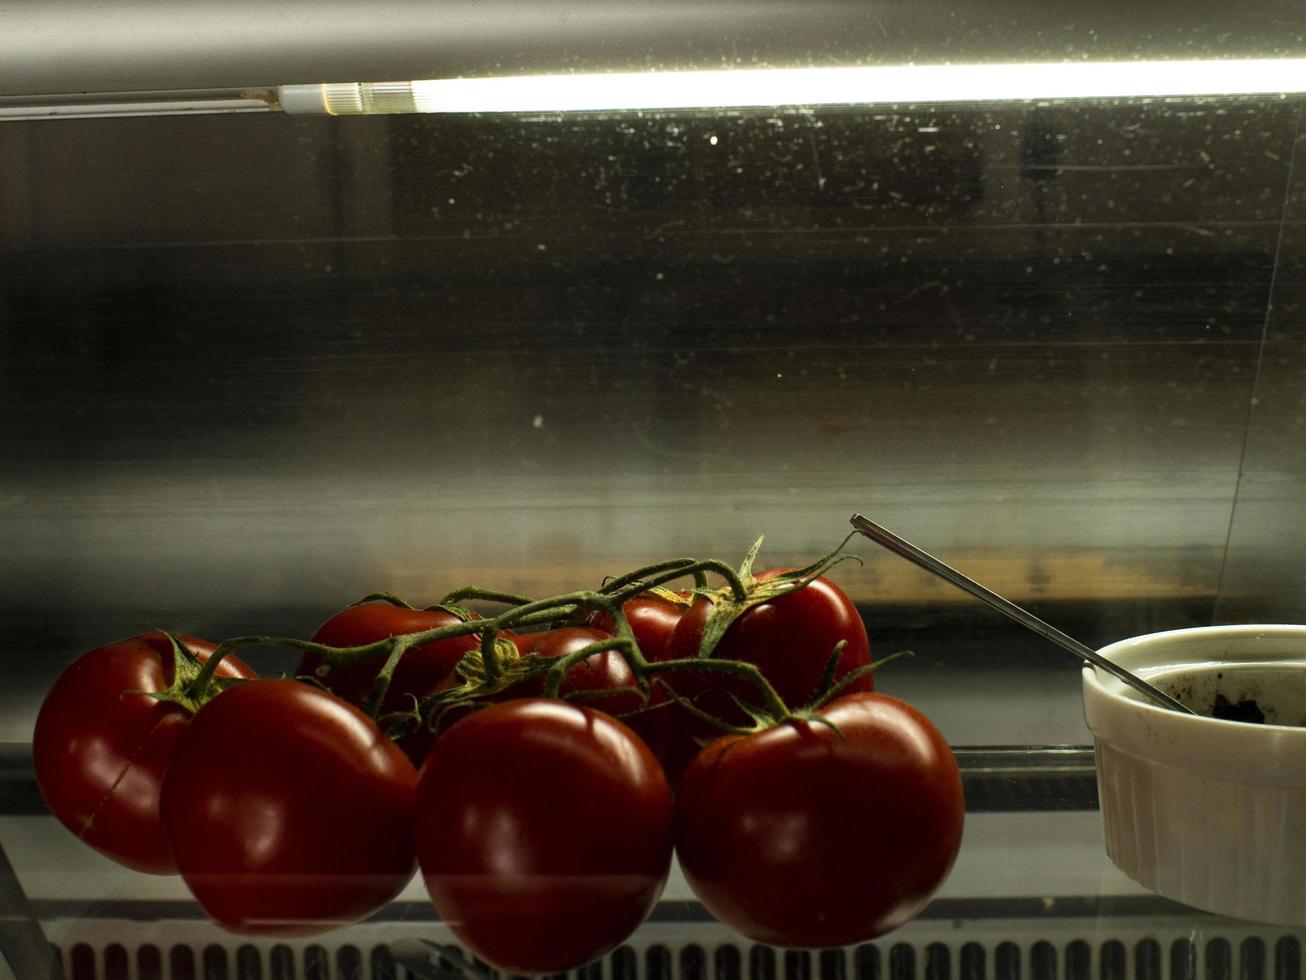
(1246, 710)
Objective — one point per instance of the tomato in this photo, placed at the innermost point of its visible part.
(100, 753)
(608, 670)
(288, 810)
(420, 670)
(789, 638)
(599, 672)
(801, 835)
(544, 833)
(652, 619)
(602, 671)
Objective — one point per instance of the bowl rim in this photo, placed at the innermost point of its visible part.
(1234, 750)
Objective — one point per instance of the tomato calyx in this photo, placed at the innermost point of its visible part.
(832, 686)
(762, 718)
(729, 603)
(483, 679)
(675, 598)
(194, 682)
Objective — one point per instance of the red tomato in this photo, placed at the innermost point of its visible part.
(544, 833)
(419, 672)
(652, 619)
(600, 672)
(288, 810)
(596, 673)
(800, 835)
(607, 670)
(789, 638)
(100, 754)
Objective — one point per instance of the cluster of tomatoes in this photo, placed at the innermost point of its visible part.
(539, 765)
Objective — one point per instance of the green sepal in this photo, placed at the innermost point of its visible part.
(726, 609)
(397, 724)
(825, 562)
(852, 676)
(724, 612)
(827, 676)
(186, 669)
(814, 718)
(746, 566)
(722, 726)
(453, 609)
(674, 597)
(760, 716)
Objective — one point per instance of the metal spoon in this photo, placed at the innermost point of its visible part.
(898, 546)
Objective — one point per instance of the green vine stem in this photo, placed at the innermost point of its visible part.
(525, 612)
(381, 683)
(774, 704)
(724, 727)
(490, 657)
(389, 597)
(558, 669)
(643, 579)
(639, 574)
(484, 595)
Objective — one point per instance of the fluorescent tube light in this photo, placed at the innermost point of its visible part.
(747, 88)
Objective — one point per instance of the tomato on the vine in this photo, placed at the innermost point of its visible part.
(100, 752)
(600, 672)
(603, 671)
(652, 617)
(289, 812)
(818, 834)
(419, 672)
(544, 831)
(650, 719)
(789, 638)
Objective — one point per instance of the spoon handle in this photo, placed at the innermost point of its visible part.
(905, 549)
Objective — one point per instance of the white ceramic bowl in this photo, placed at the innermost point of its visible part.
(1209, 812)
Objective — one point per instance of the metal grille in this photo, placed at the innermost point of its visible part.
(1197, 956)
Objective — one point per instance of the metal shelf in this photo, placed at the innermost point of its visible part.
(997, 779)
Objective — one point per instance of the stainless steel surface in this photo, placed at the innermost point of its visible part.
(66, 46)
(253, 368)
(899, 546)
(104, 104)
(1267, 529)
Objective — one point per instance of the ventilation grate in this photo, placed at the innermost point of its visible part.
(1250, 957)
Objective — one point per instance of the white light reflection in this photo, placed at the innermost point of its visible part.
(745, 88)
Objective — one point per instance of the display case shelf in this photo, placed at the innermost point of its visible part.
(1032, 897)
